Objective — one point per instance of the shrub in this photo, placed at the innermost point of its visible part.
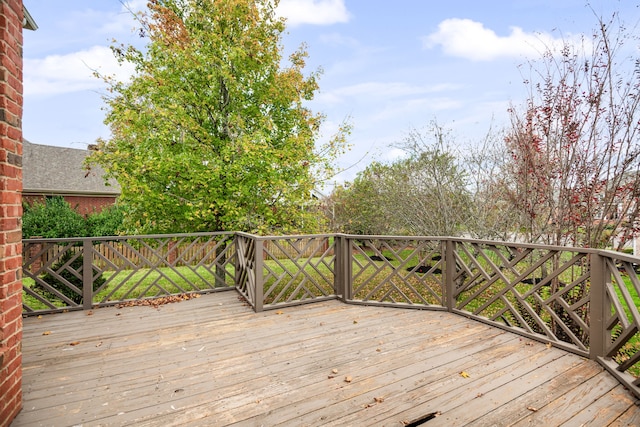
(107, 222)
(52, 219)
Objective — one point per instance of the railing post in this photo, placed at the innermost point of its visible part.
(258, 264)
(597, 306)
(450, 271)
(342, 266)
(237, 276)
(87, 274)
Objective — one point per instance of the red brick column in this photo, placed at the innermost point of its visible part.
(11, 15)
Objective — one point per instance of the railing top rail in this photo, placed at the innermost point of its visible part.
(621, 256)
(471, 240)
(142, 236)
(284, 236)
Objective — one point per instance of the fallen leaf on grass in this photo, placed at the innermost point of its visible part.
(463, 374)
(46, 333)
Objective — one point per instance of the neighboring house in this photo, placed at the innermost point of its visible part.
(59, 171)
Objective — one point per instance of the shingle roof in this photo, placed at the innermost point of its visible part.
(60, 170)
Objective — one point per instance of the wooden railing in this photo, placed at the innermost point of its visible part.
(67, 274)
(582, 300)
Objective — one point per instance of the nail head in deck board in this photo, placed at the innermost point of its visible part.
(236, 366)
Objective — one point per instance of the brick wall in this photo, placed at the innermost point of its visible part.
(10, 210)
(84, 205)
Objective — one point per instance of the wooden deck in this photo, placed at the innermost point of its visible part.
(212, 361)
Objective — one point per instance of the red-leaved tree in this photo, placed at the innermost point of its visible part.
(574, 167)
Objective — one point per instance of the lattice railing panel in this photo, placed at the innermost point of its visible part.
(123, 268)
(398, 271)
(150, 268)
(51, 273)
(246, 272)
(541, 291)
(298, 269)
(622, 320)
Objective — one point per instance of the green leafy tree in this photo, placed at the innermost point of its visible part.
(424, 193)
(363, 206)
(212, 132)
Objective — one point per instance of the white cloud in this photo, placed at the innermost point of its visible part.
(401, 109)
(471, 40)
(72, 72)
(382, 90)
(317, 12)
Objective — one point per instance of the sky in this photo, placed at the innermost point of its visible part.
(388, 67)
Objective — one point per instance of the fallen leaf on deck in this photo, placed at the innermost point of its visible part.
(40, 316)
(532, 409)
(99, 344)
(379, 399)
(463, 374)
(355, 321)
(157, 302)
(347, 379)
(46, 333)
(335, 371)
(279, 312)
(549, 345)
(74, 343)
(89, 313)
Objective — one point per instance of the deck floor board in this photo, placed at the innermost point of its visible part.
(213, 361)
